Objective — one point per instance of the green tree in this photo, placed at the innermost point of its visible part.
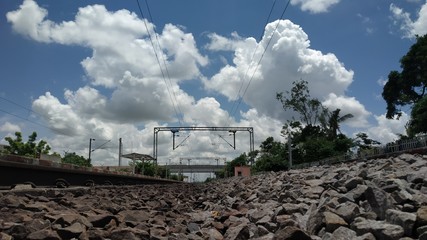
(220, 173)
(146, 168)
(418, 122)
(300, 101)
(409, 86)
(73, 158)
(177, 177)
(271, 156)
(364, 142)
(241, 160)
(331, 122)
(31, 148)
(317, 135)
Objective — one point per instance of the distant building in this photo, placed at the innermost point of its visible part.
(244, 171)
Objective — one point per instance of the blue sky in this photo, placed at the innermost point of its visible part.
(75, 70)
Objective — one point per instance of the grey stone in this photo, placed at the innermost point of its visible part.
(43, 234)
(353, 182)
(348, 211)
(72, 231)
(403, 219)
(240, 232)
(333, 221)
(101, 220)
(291, 232)
(379, 229)
(343, 233)
(422, 216)
(379, 201)
(134, 217)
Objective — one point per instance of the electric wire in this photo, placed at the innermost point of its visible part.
(19, 105)
(262, 56)
(164, 60)
(252, 58)
(158, 62)
(25, 119)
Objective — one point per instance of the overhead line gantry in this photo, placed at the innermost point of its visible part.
(175, 130)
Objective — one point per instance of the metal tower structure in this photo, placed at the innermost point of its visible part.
(175, 130)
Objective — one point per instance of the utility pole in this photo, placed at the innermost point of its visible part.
(290, 150)
(90, 147)
(120, 152)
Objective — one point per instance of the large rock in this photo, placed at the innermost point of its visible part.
(291, 233)
(240, 232)
(333, 221)
(379, 201)
(380, 229)
(403, 219)
(101, 220)
(133, 217)
(43, 234)
(72, 231)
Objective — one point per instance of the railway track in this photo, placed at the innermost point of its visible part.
(16, 170)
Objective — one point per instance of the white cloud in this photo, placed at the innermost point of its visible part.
(348, 105)
(288, 58)
(315, 6)
(410, 27)
(123, 60)
(119, 41)
(382, 81)
(208, 112)
(9, 127)
(138, 99)
(220, 43)
(60, 117)
(387, 130)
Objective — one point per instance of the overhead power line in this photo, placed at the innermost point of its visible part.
(242, 82)
(233, 112)
(177, 111)
(19, 105)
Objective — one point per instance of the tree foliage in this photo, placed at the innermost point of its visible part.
(418, 122)
(31, 148)
(364, 142)
(150, 169)
(299, 100)
(409, 86)
(331, 121)
(271, 156)
(228, 170)
(73, 158)
(317, 135)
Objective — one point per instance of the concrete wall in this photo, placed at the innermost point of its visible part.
(50, 158)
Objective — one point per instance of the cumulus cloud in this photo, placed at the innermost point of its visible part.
(9, 127)
(119, 41)
(60, 117)
(388, 130)
(123, 60)
(138, 98)
(410, 27)
(288, 58)
(348, 105)
(208, 112)
(315, 6)
(220, 43)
